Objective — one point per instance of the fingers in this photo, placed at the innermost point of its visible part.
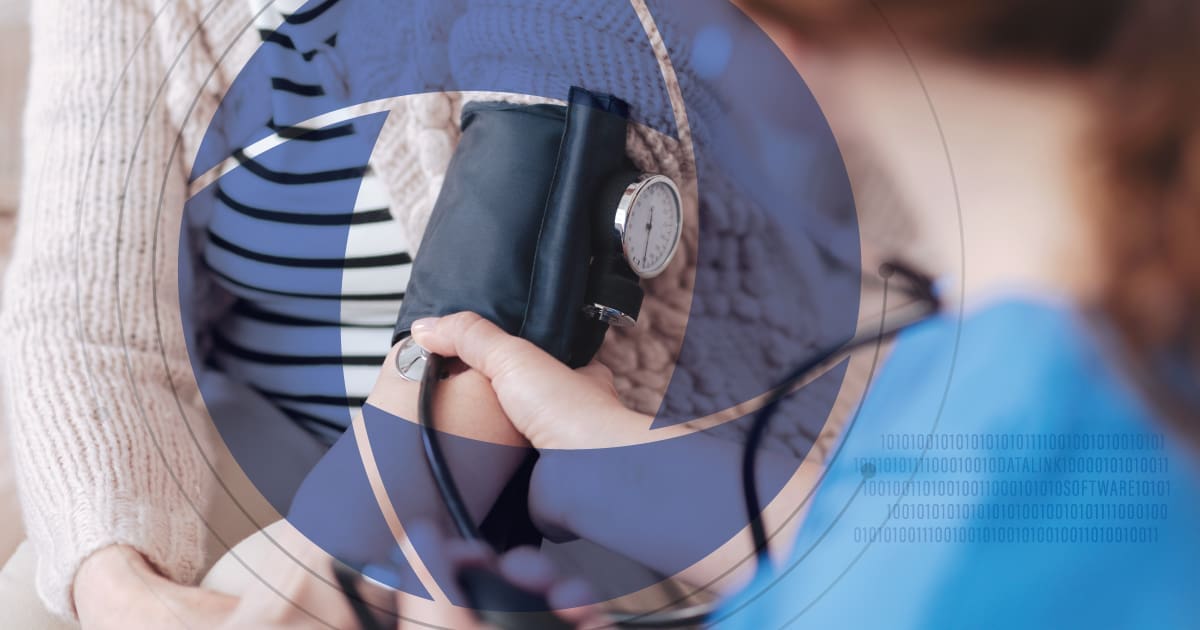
(525, 568)
(485, 347)
(442, 557)
(531, 570)
(535, 390)
(521, 373)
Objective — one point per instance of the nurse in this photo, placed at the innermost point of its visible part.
(1028, 456)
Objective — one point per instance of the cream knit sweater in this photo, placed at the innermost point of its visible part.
(110, 435)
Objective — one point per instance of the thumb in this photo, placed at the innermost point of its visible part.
(485, 347)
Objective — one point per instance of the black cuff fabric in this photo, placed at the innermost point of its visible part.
(523, 225)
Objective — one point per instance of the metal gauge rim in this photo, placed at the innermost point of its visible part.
(628, 200)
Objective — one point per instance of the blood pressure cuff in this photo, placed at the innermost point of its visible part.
(528, 198)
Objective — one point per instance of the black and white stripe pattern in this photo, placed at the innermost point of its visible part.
(271, 235)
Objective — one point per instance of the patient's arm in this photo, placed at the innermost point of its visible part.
(380, 460)
(595, 481)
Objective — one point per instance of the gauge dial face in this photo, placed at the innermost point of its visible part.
(652, 225)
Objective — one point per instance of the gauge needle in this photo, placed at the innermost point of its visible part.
(649, 229)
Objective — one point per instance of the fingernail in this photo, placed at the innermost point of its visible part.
(424, 325)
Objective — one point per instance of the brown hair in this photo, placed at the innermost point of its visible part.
(1142, 57)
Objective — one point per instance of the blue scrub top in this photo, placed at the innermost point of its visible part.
(1000, 474)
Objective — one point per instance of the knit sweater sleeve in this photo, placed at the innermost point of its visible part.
(105, 418)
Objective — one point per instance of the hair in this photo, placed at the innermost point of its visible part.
(1141, 59)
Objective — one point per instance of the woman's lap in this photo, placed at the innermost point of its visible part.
(238, 512)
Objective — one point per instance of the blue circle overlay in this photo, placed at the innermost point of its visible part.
(777, 268)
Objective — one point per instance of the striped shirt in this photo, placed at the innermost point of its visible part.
(316, 287)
